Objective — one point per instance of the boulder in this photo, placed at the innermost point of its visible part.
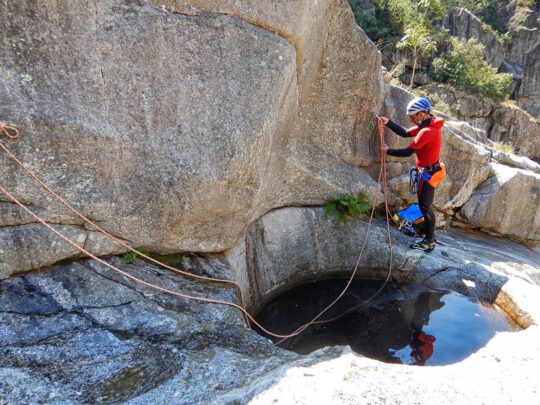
(511, 124)
(175, 124)
(506, 204)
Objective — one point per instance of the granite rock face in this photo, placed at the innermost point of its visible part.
(506, 202)
(464, 25)
(82, 333)
(500, 122)
(520, 57)
(175, 127)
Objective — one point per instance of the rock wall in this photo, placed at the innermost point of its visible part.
(176, 124)
(521, 56)
(463, 24)
(500, 122)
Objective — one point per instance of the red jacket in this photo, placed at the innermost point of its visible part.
(422, 347)
(427, 142)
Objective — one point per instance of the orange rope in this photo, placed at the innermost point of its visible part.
(5, 130)
(136, 279)
(115, 239)
(314, 321)
(9, 131)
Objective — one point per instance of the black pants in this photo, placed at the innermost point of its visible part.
(426, 192)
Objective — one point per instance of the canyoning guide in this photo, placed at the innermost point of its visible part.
(427, 134)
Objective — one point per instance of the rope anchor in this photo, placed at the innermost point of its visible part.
(9, 131)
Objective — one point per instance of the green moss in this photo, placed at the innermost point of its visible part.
(172, 259)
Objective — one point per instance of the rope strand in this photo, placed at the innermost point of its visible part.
(9, 131)
(5, 130)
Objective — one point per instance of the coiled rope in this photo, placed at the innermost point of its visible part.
(13, 133)
(9, 131)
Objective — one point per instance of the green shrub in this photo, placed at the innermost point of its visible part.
(401, 13)
(370, 22)
(348, 206)
(439, 104)
(385, 18)
(464, 67)
(503, 147)
(129, 257)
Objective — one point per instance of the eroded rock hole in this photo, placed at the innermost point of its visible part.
(405, 323)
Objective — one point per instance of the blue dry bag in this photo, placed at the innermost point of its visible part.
(409, 220)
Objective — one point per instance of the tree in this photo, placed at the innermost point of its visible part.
(464, 67)
(416, 39)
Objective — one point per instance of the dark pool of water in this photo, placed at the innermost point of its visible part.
(405, 323)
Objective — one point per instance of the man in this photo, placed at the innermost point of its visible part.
(427, 141)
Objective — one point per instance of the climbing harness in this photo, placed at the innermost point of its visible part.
(414, 180)
(13, 133)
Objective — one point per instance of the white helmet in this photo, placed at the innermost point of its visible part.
(418, 104)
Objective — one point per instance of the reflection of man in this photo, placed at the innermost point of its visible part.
(422, 343)
(422, 347)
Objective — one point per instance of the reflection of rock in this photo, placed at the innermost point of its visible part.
(416, 311)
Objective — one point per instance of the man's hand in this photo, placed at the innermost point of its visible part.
(383, 120)
(384, 149)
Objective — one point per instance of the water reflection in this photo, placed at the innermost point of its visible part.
(409, 323)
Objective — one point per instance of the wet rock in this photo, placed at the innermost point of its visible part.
(85, 334)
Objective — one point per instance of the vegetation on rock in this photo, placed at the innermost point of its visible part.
(348, 206)
(465, 68)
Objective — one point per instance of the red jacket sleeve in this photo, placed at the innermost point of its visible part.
(421, 139)
(413, 131)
